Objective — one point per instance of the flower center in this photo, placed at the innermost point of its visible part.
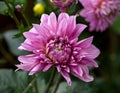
(59, 50)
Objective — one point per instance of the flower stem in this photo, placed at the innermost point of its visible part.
(12, 13)
(26, 20)
(50, 81)
(57, 83)
(29, 85)
(113, 51)
(35, 85)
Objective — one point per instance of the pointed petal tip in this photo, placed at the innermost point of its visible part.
(69, 83)
(31, 73)
(90, 79)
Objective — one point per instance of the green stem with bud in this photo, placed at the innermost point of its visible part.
(12, 13)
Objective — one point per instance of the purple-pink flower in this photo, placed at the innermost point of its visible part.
(54, 43)
(100, 13)
(62, 4)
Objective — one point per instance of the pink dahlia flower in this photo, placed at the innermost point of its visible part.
(53, 43)
(62, 4)
(100, 13)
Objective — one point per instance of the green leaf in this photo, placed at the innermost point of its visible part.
(41, 84)
(13, 82)
(116, 25)
(77, 87)
(14, 43)
(3, 8)
(17, 82)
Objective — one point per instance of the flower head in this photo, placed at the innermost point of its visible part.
(53, 43)
(100, 13)
(62, 4)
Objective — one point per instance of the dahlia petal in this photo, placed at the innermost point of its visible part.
(32, 44)
(27, 58)
(30, 35)
(58, 68)
(33, 30)
(77, 32)
(66, 76)
(92, 25)
(85, 3)
(71, 25)
(63, 16)
(87, 13)
(25, 46)
(62, 28)
(85, 43)
(89, 62)
(92, 52)
(36, 68)
(26, 67)
(52, 21)
(76, 71)
(83, 12)
(67, 69)
(47, 67)
(36, 27)
(44, 18)
(82, 73)
(86, 77)
(46, 30)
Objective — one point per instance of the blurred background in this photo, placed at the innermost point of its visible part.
(107, 76)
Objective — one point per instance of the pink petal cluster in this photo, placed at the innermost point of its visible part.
(53, 43)
(100, 13)
(62, 4)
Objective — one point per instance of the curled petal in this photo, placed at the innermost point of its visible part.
(44, 18)
(85, 42)
(47, 67)
(82, 73)
(92, 52)
(66, 76)
(36, 68)
(89, 62)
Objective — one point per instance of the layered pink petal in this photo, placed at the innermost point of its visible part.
(61, 31)
(44, 18)
(53, 43)
(92, 52)
(89, 62)
(85, 43)
(100, 13)
(82, 73)
(66, 76)
(52, 22)
(36, 68)
(86, 3)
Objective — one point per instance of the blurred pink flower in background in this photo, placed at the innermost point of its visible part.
(100, 13)
(53, 43)
(62, 4)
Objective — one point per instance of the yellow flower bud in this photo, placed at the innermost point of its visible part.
(39, 8)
